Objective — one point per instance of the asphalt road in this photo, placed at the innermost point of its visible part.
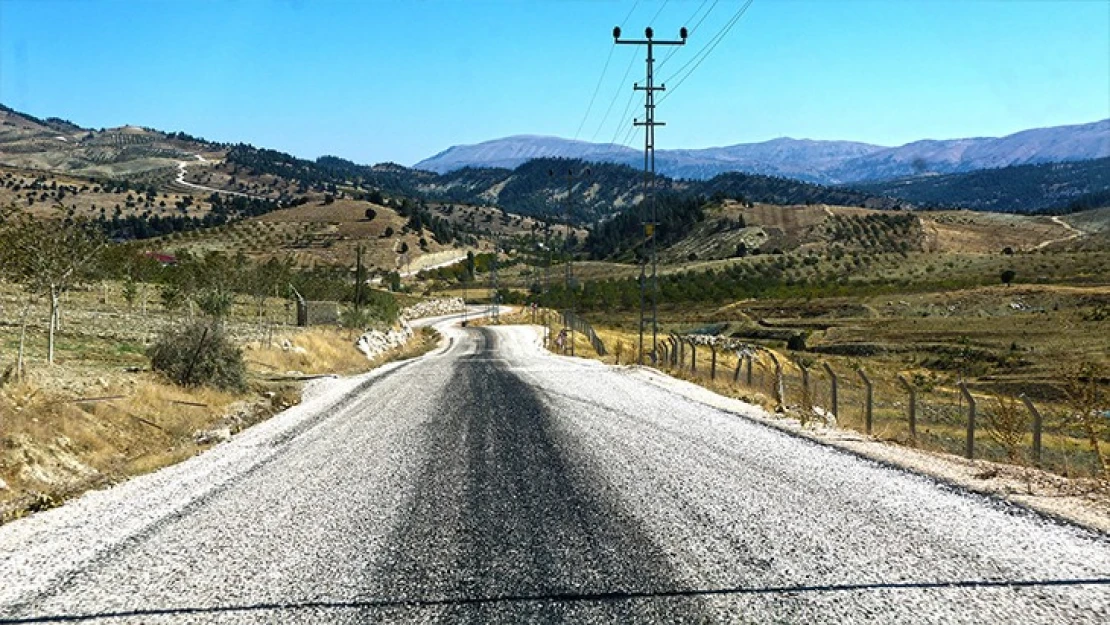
(491, 482)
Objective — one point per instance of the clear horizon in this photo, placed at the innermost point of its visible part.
(362, 81)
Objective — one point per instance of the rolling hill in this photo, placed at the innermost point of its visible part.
(1057, 187)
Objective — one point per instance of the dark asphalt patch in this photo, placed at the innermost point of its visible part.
(503, 509)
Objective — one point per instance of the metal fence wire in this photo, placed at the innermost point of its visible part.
(581, 326)
(908, 409)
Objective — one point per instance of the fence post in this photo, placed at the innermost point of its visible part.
(807, 399)
(713, 361)
(969, 452)
(693, 357)
(834, 399)
(780, 393)
(751, 357)
(739, 363)
(867, 413)
(912, 407)
(1038, 424)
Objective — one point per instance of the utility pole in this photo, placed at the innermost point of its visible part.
(649, 125)
(359, 277)
(467, 273)
(494, 309)
(567, 211)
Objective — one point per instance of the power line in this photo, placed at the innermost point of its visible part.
(597, 88)
(631, 11)
(716, 38)
(616, 95)
(600, 80)
(663, 6)
(628, 133)
(692, 30)
(707, 50)
(624, 116)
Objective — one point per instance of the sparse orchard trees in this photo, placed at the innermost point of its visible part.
(49, 257)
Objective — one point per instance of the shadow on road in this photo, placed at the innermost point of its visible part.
(371, 603)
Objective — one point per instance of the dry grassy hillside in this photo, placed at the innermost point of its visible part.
(315, 233)
(733, 229)
(47, 193)
(977, 232)
(131, 152)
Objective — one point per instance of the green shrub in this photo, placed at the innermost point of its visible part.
(796, 342)
(199, 353)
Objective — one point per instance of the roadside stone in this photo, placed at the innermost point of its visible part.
(205, 437)
(376, 342)
(434, 308)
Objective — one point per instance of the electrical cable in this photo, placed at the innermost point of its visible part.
(706, 51)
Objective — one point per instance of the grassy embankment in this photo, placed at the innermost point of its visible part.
(99, 415)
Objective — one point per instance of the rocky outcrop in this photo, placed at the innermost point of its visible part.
(375, 342)
(433, 308)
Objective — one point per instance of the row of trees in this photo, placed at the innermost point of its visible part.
(48, 257)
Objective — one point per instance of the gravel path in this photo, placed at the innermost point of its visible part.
(491, 482)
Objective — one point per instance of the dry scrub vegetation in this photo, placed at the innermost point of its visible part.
(100, 416)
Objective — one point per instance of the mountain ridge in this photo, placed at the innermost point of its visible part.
(809, 160)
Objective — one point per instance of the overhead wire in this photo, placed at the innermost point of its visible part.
(601, 80)
(597, 88)
(674, 49)
(631, 11)
(623, 117)
(657, 13)
(616, 95)
(706, 50)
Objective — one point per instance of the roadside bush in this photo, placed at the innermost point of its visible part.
(796, 343)
(199, 353)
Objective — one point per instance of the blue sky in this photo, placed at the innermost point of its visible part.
(401, 80)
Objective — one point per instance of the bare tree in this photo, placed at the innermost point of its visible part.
(49, 257)
(1086, 398)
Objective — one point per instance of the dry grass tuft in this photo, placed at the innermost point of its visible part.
(55, 445)
(315, 351)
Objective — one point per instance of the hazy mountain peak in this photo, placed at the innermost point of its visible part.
(814, 160)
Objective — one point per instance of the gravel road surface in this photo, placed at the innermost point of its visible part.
(492, 482)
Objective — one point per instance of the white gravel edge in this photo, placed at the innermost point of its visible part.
(54, 542)
(947, 468)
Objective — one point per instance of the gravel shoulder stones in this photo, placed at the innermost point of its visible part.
(493, 482)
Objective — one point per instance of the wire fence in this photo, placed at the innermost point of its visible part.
(577, 324)
(912, 410)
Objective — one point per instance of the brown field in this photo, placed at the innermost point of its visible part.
(975, 232)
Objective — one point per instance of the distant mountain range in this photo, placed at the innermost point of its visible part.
(515, 177)
(823, 162)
